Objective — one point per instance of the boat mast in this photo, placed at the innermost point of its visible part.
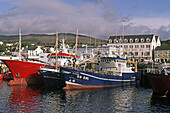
(56, 48)
(19, 44)
(76, 49)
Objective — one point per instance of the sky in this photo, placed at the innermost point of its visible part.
(97, 18)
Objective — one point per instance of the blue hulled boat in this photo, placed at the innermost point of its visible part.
(83, 79)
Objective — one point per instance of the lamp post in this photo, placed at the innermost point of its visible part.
(123, 20)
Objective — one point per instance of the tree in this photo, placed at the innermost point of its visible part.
(39, 43)
(24, 44)
(2, 48)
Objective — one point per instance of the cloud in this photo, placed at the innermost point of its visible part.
(95, 18)
(151, 22)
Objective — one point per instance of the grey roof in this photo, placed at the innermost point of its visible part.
(162, 48)
(32, 48)
(156, 37)
(134, 37)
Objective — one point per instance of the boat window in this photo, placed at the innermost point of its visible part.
(41, 56)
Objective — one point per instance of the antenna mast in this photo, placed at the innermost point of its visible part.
(56, 48)
(76, 48)
(19, 44)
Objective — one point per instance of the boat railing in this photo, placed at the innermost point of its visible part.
(103, 72)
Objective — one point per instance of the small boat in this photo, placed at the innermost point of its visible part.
(159, 77)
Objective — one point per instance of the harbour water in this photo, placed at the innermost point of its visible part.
(107, 100)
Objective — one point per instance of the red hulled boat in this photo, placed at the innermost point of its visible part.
(24, 73)
(160, 80)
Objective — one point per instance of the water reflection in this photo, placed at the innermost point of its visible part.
(24, 99)
(119, 99)
(104, 100)
(160, 100)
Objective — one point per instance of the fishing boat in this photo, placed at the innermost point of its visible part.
(85, 79)
(159, 77)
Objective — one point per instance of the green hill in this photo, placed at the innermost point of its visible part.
(50, 39)
(165, 43)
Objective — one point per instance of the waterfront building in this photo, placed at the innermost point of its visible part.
(32, 52)
(162, 54)
(136, 47)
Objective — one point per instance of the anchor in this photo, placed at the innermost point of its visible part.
(17, 75)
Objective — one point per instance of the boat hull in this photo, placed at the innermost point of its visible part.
(52, 78)
(77, 79)
(24, 73)
(160, 82)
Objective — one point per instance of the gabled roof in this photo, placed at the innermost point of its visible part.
(162, 48)
(156, 37)
(32, 48)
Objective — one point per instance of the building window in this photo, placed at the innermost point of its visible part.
(115, 40)
(126, 40)
(142, 46)
(147, 46)
(130, 53)
(131, 40)
(110, 40)
(142, 40)
(120, 40)
(136, 40)
(148, 40)
(147, 53)
(125, 46)
(130, 46)
(163, 55)
(136, 46)
(136, 53)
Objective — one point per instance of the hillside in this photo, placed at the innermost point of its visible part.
(165, 43)
(50, 39)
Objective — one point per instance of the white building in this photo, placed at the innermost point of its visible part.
(136, 47)
(33, 52)
(1, 43)
(9, 44)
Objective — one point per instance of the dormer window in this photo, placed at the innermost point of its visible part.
(115, 40)
(120, 40)
(126, 40)
(131, 40)
(142, 40)
(148, 40)
(136, 40)
(110, 40)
